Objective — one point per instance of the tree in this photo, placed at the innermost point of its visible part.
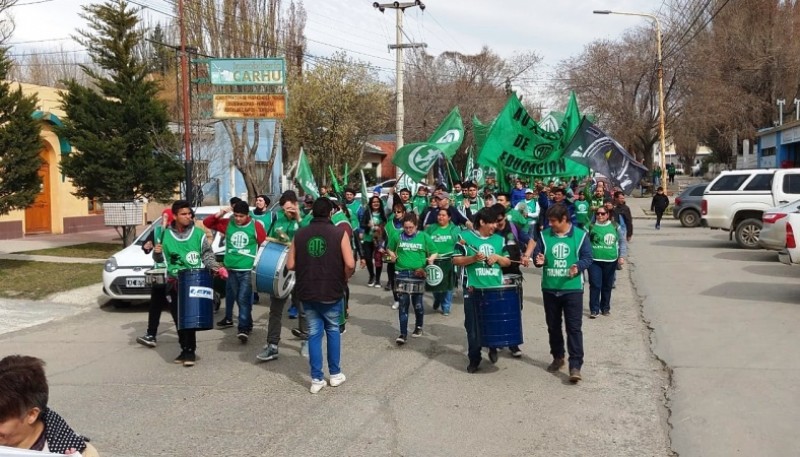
(335, 107)
(20, 145)
(117, 128)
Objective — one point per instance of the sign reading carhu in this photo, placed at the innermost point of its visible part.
(247, 72)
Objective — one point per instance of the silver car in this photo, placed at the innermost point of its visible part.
(773, 229)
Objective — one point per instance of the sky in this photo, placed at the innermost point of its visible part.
(554, 29)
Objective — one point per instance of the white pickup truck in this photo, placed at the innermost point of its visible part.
(736, 200)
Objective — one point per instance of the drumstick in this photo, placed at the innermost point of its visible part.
(478, 252)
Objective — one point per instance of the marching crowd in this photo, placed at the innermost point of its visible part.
(469, 240)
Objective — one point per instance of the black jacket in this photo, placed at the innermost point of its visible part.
(659, 203)
(624, 212)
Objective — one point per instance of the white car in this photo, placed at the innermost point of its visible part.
(790, 254)
(123, 273)
(773, 226)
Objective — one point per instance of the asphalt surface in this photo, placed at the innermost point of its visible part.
(414, 400)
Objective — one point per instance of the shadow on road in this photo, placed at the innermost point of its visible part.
(777, 271)
(749, 256)
(779, 293)
(705, 244)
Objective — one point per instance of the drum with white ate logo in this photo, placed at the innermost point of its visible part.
(270, 274)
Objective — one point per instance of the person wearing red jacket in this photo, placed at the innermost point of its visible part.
(242, 239)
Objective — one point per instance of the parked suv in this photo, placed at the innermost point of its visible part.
(688, 203)
(736, 200)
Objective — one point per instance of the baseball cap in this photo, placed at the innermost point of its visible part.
(529, 191)
(441, 195)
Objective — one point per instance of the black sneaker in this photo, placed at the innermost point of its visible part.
(473, 367)
(343, 329)
(593, 316)
(417, 332)
(515, 351)
(493, 355)
(401, 340)
(606, 313)
(181, 357)
(147, 340)
(300, 334)
(189, 359)
(243, 336)
(555, 365)
(225, 323)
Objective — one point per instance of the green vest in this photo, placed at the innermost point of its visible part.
(283, 226)
(240, 246)
(265, 218)
(513, 216)
(532, 210)
(412, 253)
(419, 203)
(582, 211)
(445, 238)
(605, 241)
(391, 231)
(475, 206)
(183, 254)
(560, 253)
(479, 274)
(353, 208)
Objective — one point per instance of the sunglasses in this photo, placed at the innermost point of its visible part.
(399, 212)
(602, 213)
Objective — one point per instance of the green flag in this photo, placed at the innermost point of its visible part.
(479, 131)
(345, 178)
(571, 121)
(452, 175)
(416, 159)
(517, 144)
(304, 176)
(364, 195)
(334, 182)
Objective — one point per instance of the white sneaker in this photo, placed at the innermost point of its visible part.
(317, 385)
(396, 305)
(337, 380)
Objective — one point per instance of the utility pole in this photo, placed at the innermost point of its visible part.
(399, 46)
(187, 143)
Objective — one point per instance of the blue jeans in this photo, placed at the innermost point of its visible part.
(601, 278)
(405, 301)
(323, 317)
(571, 306)
(445, 299)
(239, 288)
(471, 325)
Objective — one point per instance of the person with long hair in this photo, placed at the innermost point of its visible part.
(373, 219)
(393, 229)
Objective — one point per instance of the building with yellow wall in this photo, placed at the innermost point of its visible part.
(56, 210)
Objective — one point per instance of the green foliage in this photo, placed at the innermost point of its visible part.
(120, 129)
(20, 145)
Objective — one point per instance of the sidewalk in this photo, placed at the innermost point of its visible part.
(46, 241)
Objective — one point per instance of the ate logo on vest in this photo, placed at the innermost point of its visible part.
(610, 239)
(316, 246)
(193, 258)
(560, 251)
(239, 240)
(486, 249)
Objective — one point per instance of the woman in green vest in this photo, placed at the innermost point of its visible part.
(411, 251)
(607, 253)
(445, 235)
(483, 254)
(393, 229)
(582, 215)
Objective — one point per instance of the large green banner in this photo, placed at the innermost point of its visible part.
(517, 144)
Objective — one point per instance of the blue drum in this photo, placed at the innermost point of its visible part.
(270, 274)
(195, 300)
(500, 315)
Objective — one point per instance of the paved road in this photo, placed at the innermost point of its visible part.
(415, 400)
(725, 322)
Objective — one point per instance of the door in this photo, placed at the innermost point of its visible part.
(37, 216)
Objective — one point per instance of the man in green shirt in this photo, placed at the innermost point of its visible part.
(445, 235)
(411, 251)
(563, 252)
(483, 254)
(582, 215)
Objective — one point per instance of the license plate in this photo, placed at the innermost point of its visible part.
(134, 282)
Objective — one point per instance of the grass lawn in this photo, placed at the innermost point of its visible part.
(36, 280)
(85, 251)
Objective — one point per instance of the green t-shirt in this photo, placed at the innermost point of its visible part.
(412, 253)
(479, 274)
(445, 238)
(582, 212)
(560, 254)
(605, 241)
(183, 254)
(283, 226)
(419, 203)
(391, 230)
(376, 222)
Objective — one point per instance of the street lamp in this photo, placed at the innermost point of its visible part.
(663, 155)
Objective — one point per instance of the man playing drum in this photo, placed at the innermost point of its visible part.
(445, 236)
(242, 239)
(482, 253)
(183, 247)
(282, 227)
(411, 251)
(158, 291)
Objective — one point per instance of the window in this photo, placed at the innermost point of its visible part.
(768, 152)
(697, 191)
(760, 182)
(791, 184)
(729, 182)
(95, 206)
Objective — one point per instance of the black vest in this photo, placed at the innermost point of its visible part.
(319, 265)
